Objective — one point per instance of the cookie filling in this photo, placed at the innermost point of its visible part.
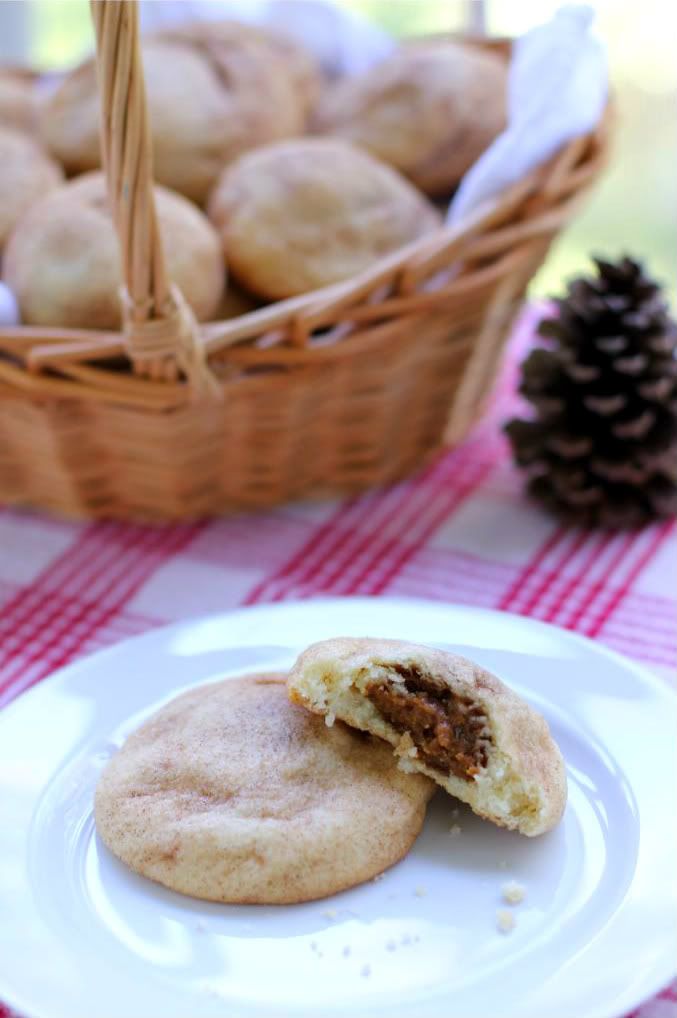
(450, 732)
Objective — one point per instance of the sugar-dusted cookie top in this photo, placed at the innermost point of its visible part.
(301, 214)
(430, 110)
(232, 793)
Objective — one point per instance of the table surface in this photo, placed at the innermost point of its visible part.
(459, 531)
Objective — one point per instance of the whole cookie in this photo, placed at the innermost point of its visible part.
(429, 110)
(301, 214)
(63, 261)
(208, 101)
(26, 175)
(292, 57)
(233, 794)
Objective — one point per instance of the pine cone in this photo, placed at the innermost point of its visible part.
(602, 448)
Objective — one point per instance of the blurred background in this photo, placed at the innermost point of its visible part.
(635, 207)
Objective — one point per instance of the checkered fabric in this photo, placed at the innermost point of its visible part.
(460, 531)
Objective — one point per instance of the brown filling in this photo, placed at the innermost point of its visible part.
(449, 731)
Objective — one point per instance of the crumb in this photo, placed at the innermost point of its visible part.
(454, 813)
(412, 752)
(313, 945)
(391, 945)
(379, 876)
(513, 892)
(346, 951)
(420, 891)
(329, 719)
(503, 864)
(454, 830)
(365, 971)
(406, 939)
(330, 913)
(505, 920)
(405, 765)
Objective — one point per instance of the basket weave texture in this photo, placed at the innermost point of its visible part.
(341, 389)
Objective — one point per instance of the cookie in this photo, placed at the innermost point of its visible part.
(292, 57)
(445, 717)
(233, 794)
(63, 261)
(26, 175)
(207, 102)
(18, 99)
(430, 110)
(300, 214)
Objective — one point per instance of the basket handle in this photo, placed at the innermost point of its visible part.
(161, 332)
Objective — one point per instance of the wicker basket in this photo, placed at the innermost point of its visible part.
(344, 388)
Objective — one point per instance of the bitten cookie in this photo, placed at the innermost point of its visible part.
(231, 793)
(208, 101)
(446, 717)
(429, 110)
(27, 174)
(63, 261)
(301, 214)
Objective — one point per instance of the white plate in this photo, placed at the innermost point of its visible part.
(83, 937)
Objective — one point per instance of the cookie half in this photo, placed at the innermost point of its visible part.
(234, 794)
(445, 717)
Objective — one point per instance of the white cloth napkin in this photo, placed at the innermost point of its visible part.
(557, 90)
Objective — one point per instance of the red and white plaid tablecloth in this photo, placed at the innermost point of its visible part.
(459, 531)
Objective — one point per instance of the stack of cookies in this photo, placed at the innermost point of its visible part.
(268, 789)
(273, 181)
